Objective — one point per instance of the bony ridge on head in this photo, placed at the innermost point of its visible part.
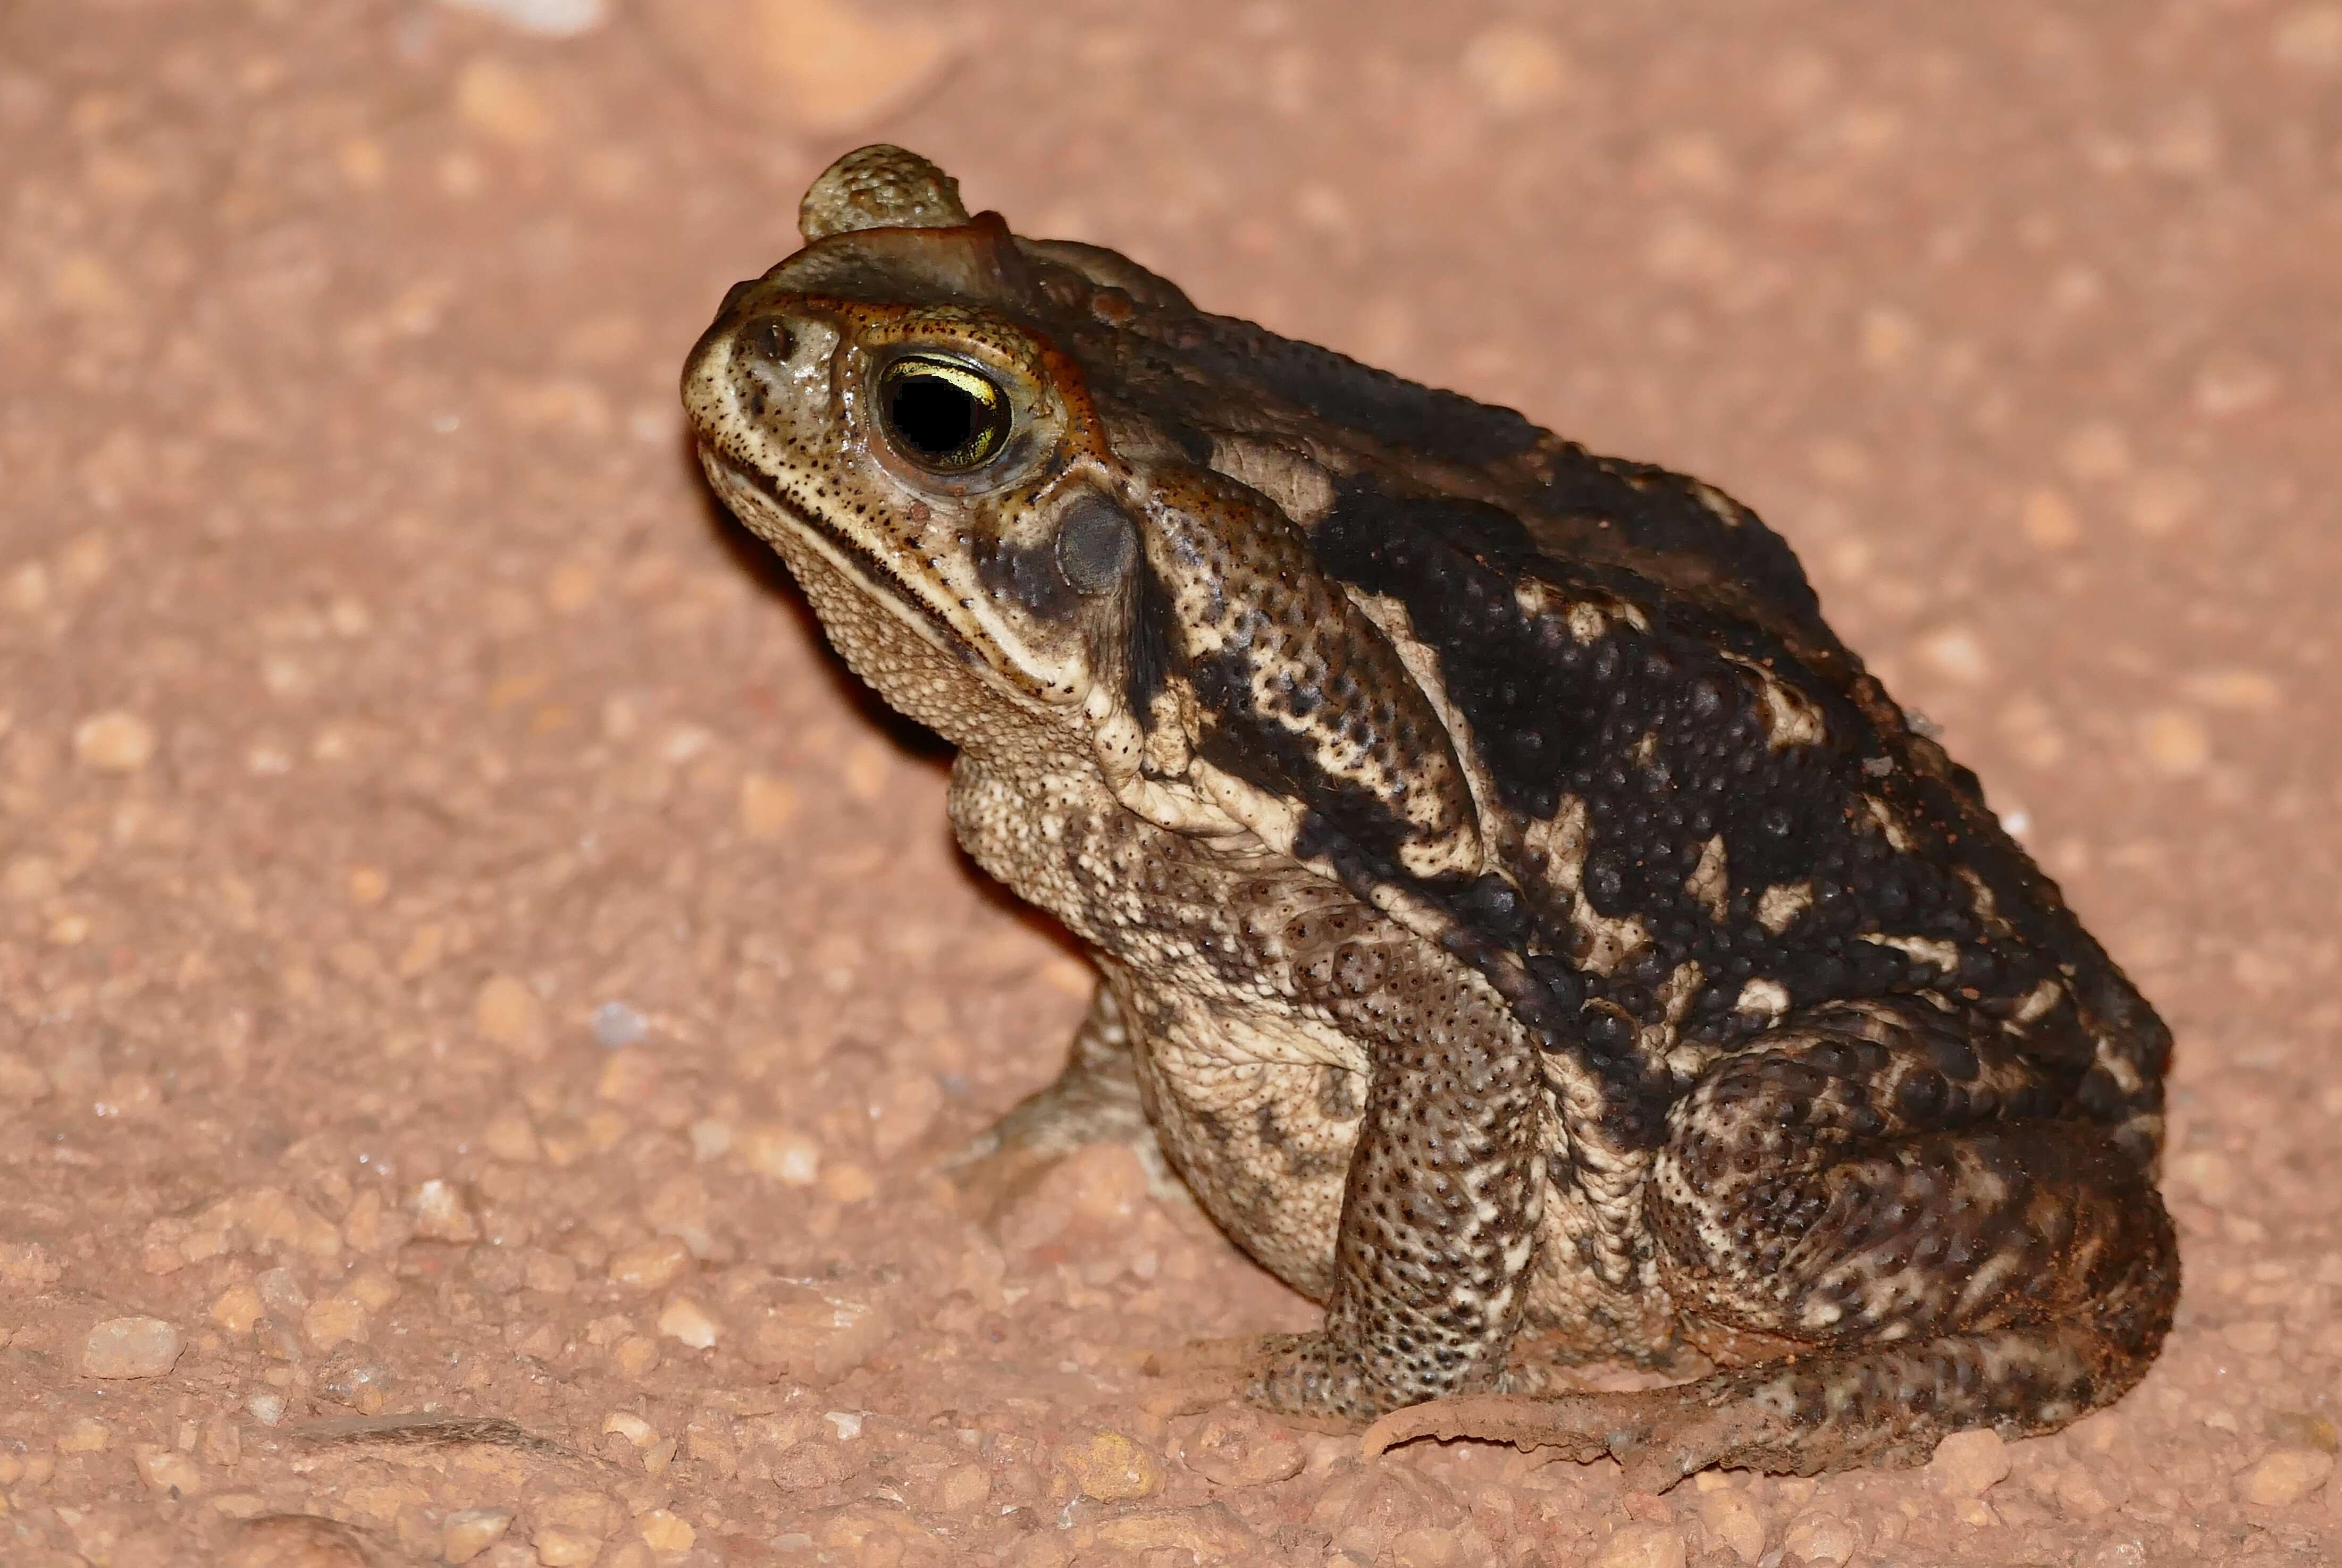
(879, 186)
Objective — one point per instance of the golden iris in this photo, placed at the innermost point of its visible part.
(942, 414)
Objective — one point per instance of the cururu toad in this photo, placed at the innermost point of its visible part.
(1521, 921)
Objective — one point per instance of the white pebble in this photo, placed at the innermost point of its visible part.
(617, 1025)
(684, 1319)
(710, 1139)
(545, 18)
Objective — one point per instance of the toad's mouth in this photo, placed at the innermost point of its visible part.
(856, 561)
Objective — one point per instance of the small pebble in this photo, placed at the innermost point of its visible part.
(21, 1083)
(710, 1139)
(617, 1026)
(822, 68)
(130, 1347)
(1112, 1467)
(114, 743)
(267, 1405)
(767, 807)
(865, 770)
(815, 1334)
(85, 1434)
(31, 879)
(666, 1533)
(298, 1541)
(593, 1513)
(683, 1319)
(788, 1156)
(1240, 1447)
(559, 1548)
(2048, 521)
(903, 1110)
(550, 1273)
(1734, 1517)
(1516, 67)
(630, 1426)
(503, 105)
(2081, 1493)
(2175, 742)
(1956, 651)
(511, 1137)
(963, 1489)
(627, 1076)
(848, 1183)
(441, 1213)
(507, 1012)
(469, 1532)
(653, 1265)
(1821, 1538)
(545, 18)
(2284, 1476)
(1643, 1546)
(334, 1321)
(1969, 1464)
(167, 1472)
(2211, 1173)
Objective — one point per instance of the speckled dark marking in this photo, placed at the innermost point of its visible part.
(1256, 748)
(1147, 650)
(1026, 575)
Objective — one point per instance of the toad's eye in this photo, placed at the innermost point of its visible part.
(942, 414)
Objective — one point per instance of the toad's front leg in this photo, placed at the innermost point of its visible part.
(1439, 1215)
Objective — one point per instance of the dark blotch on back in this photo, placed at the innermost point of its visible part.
(1266, 752)
(1666, 742)
(1147, 647)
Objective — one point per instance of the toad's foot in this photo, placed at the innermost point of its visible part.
(1280, 1371)
(1658, 1435)
(1094, 1100)
(1883, 1406)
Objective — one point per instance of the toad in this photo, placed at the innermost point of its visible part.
(1526, 927)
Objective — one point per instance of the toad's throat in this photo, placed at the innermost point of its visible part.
(857, 559)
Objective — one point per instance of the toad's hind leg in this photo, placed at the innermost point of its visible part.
(1094, 1100)
(1904, 1228)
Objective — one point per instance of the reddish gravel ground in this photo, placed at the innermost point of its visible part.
(482, 995)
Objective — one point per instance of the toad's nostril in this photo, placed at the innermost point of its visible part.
(770, 340)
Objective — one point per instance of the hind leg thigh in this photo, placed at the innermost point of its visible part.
(1900, 1232)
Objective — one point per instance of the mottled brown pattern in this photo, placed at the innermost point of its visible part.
(1515, 905)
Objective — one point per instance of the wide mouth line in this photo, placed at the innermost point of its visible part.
(857, 558)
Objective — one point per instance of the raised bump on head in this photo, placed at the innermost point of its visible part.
(879, 187)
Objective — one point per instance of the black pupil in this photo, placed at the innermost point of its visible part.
(939, 418)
